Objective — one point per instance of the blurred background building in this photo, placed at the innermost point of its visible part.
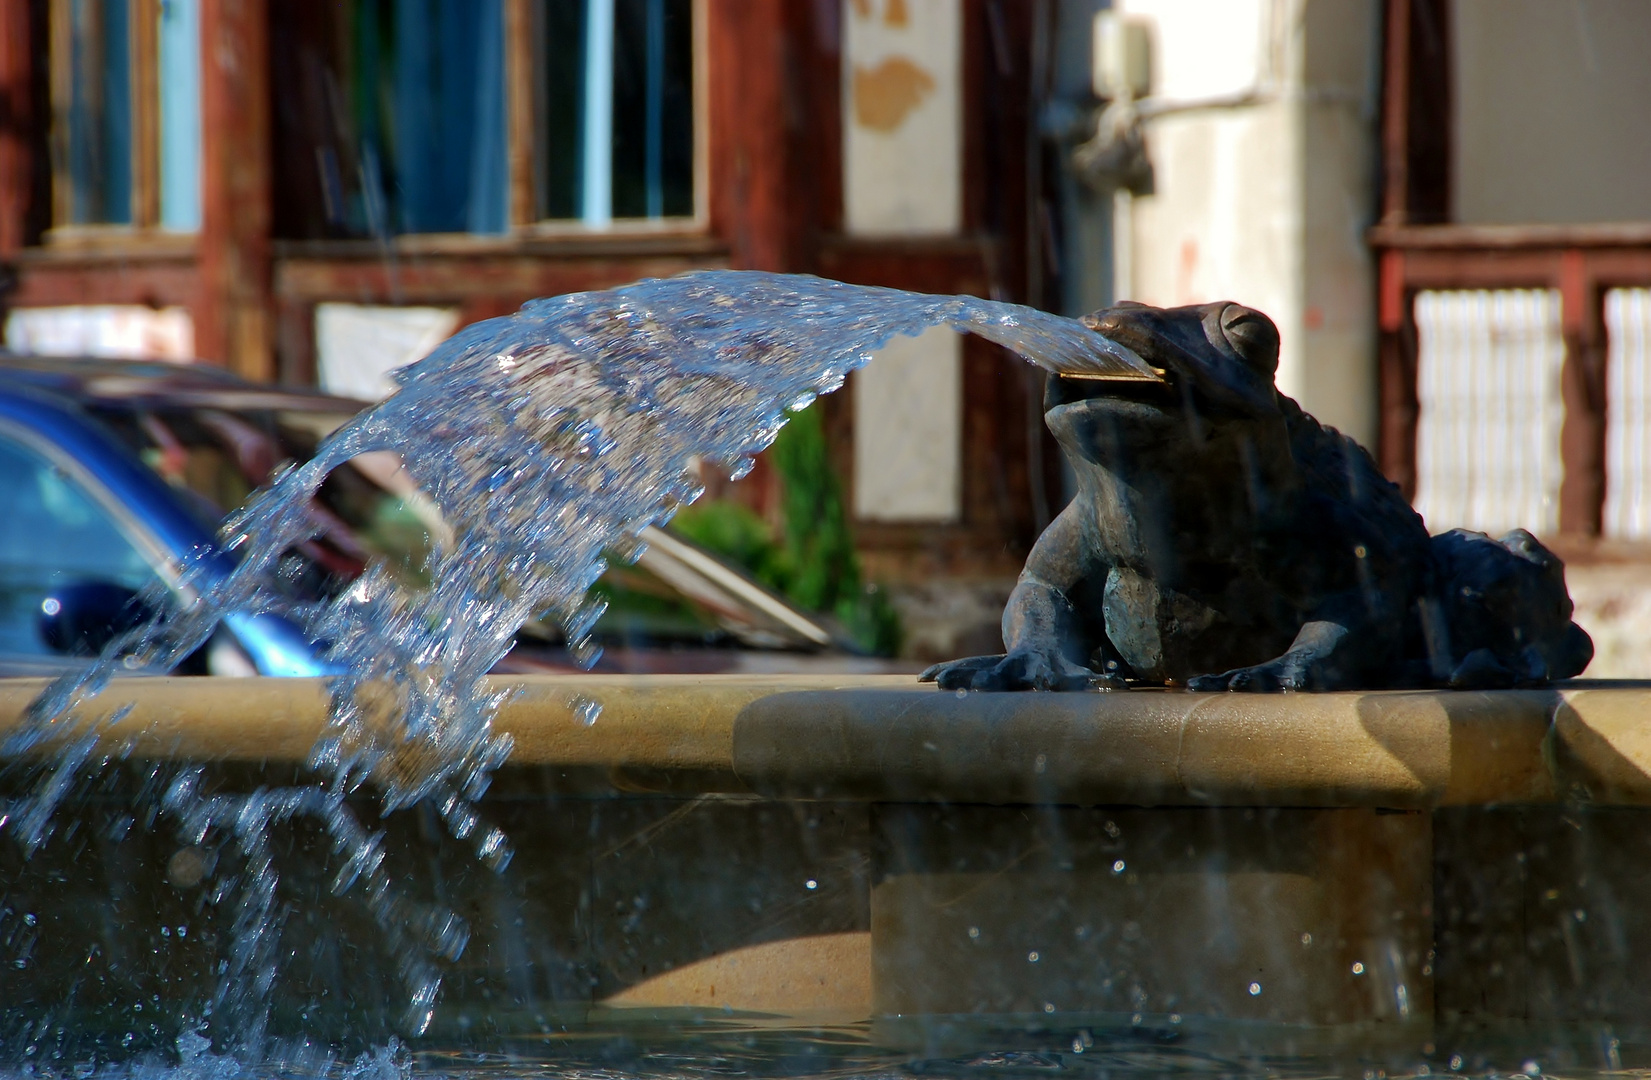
(1443, 204)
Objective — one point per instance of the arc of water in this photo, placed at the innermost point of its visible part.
(547, 439)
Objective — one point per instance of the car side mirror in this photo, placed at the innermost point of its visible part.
(81, 619)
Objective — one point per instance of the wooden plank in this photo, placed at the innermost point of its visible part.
(1396, 112)
(1441, 268)
(749, 64)
(151, 283)
(522, 64)
(61, 81)
(1503, 237)
(1619, 266)
(823, 97)
(233, 313)
(619, 242)
(1582, 384)
(146, 127)
(957, 265)
(1396, 363)
(455, 280)
(996, 121)
(18, 127)
(295, 342)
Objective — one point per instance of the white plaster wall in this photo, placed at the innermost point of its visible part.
(1552, 111)
(358, 345)
(908, 430)
(902, 117)
(1263, 193)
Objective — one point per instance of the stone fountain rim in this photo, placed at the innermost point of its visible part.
(890, 739)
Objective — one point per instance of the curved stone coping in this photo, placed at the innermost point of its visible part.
(888, 738)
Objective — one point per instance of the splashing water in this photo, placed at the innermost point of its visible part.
(547, 439)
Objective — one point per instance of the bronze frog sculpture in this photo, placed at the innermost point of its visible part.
(1223, 539)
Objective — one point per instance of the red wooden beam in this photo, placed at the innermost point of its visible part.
(233, 312)
(17, 125)
(1582, 384)
(1396, 113)
(752, 68)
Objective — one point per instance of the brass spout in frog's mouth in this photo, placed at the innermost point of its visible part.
(1158, 375)
(1158, 391)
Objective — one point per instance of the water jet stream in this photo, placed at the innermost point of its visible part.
(548, 440)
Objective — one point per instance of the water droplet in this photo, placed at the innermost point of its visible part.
(1531, 1068)
(974, 932)
(1049, 1006)
(1255, 989)
(1032, 957)
(1306, 939)
(1077, 1046)
(811, 884)
(1358, 967)
(1118, 866)
(586, 710)
(1175, 1018)
(1455, 1062)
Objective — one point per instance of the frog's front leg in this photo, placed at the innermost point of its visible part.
(1048, 638)
(1046, 649)
(1309, 664)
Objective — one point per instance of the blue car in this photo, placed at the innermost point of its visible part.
(87, 523)
(113, 473)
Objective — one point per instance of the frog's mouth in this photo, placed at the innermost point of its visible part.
(1197, 374)
(1161, 394)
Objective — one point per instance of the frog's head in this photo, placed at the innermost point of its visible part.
(1217, 360)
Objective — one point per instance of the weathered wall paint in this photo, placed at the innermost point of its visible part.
(902, 117)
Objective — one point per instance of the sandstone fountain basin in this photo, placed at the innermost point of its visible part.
(1405, 877)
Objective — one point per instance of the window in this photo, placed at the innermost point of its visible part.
(1628, 414)
(125, 96)
(52, 534)
(616, 110)
(440, 116)
(1487, 439)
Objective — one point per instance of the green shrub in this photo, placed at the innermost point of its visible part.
(812, 563)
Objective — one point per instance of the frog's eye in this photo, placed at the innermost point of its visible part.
(1253, 336)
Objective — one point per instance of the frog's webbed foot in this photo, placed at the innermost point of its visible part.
(1317, 660)
(1025, 670)
(1286, 673)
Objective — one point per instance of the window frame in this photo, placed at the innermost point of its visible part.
(521, 18)
(523, 25)
(143, 17)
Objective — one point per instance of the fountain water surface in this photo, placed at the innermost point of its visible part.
(548, 439)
